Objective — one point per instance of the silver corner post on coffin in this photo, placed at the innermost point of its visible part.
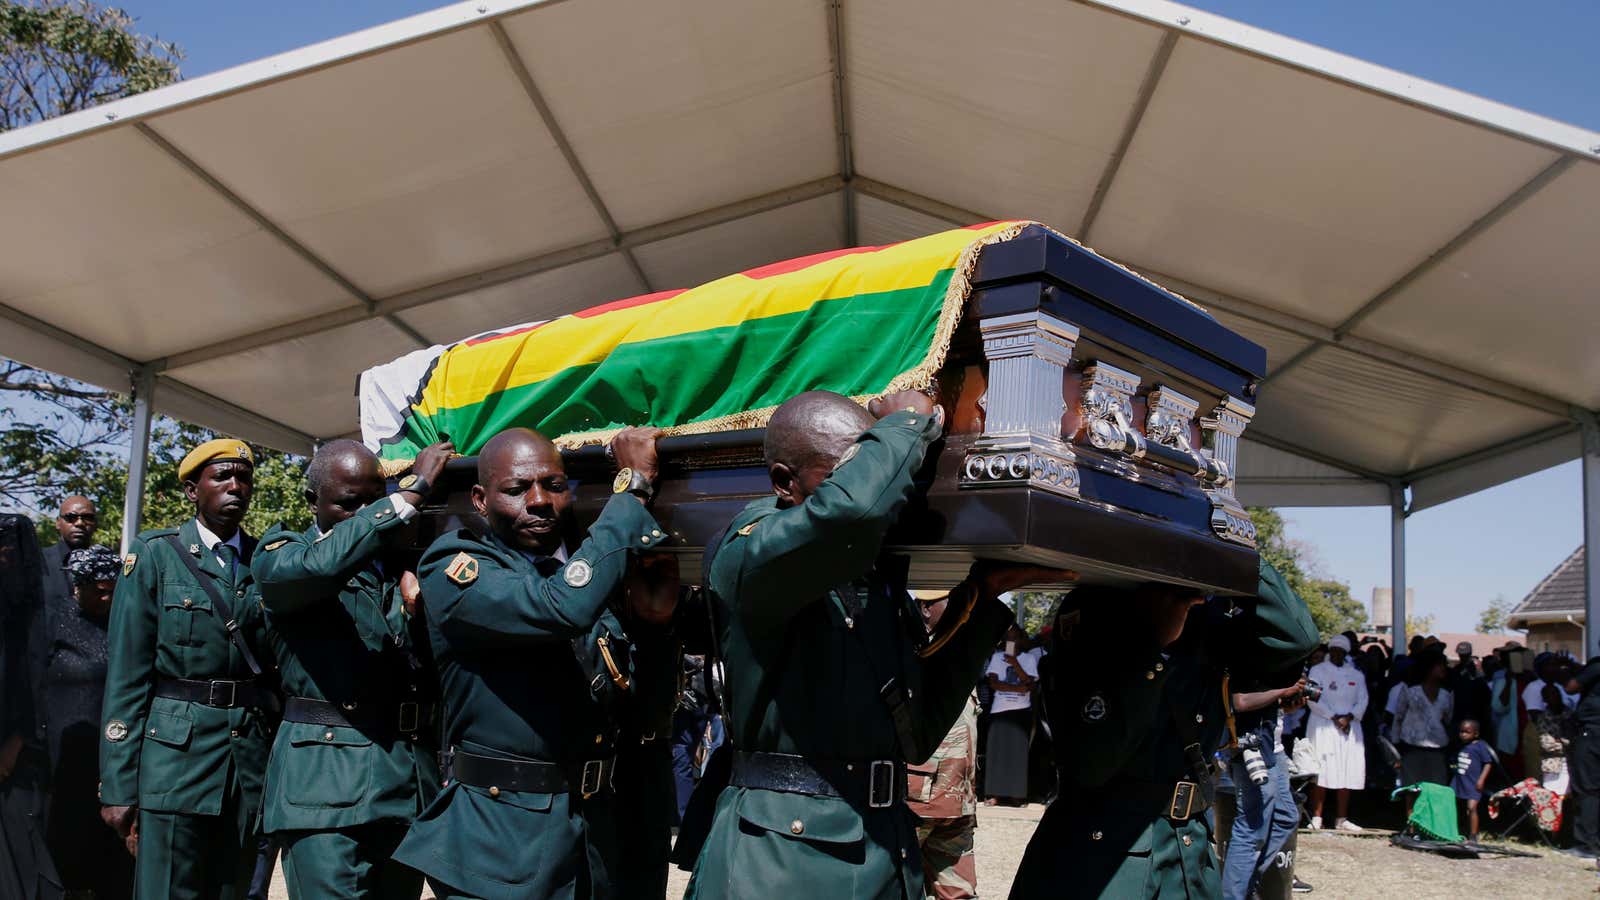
(1021, 443)
(1220, 432)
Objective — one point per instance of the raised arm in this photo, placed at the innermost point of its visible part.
(790, 557)
(295, 571)
(501, 606)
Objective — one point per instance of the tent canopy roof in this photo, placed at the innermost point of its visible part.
(1420, 263)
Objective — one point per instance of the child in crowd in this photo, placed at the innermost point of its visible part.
(1472, 772)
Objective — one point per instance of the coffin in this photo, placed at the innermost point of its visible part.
(1093, 424)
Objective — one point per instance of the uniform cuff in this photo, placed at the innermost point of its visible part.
(404, 510)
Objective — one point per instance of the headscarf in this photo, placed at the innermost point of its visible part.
(1339, 642)
(93, 564)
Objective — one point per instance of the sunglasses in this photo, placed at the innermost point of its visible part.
(91, 518)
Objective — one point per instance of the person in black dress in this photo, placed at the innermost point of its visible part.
(26, 872)
(89, 856)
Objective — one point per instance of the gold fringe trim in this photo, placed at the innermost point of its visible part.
(920, 377)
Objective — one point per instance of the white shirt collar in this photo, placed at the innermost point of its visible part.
(211, 541)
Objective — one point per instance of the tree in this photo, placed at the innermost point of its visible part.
(1416, 625)
(1036, 609)
(59, 436)
(1493, 618)
(61, 56)
(1332, 607)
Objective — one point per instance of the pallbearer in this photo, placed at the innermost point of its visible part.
(185, 735)
(828, 696)
(357, 757)
(533, 633)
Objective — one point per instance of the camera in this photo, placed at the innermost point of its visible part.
(1255, 765)
(1312, 690)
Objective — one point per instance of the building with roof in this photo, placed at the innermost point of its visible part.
(1552, 613)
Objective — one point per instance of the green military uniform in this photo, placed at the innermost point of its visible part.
(356, 758)
(644, 782)
(809, 634)
(185, 739)
(528, 704)
(1133, 727)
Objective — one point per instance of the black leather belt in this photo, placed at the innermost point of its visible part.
(399, 718)
(1179, 801)
(221, 693)
(531, 775)
(877, 783)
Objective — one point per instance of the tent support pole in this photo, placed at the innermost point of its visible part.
(144, 389)
(1397, 563)
(1589, 426)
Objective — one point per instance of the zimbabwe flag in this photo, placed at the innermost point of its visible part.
(717, 357)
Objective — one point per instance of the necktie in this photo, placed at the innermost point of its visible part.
(230, 559)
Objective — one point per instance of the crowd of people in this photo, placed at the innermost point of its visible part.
(503, 715)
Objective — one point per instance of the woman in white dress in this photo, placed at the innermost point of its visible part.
(1334, 731)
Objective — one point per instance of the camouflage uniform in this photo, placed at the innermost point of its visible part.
(942, 793)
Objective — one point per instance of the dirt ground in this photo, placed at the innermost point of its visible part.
(1337, 865)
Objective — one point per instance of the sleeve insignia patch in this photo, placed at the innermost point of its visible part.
(275, 544)
(128, 563)
(849, 454)
(745, 531)
(1094, 709)
(463, 570)
(578, 573)
(116, 730)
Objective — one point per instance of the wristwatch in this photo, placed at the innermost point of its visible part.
(630, 482)
(416, 484)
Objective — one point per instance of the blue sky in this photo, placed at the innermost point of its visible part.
(1537, 54)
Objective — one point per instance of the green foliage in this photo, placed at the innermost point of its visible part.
(1493, 618)
(1416, 625)
(61, 56)
(1036, 609)
(58, 436)
(1332, 607)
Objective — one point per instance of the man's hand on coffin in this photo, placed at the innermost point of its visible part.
(902, 401)
(635, 448)
(995, 578)
(651, 587)
(425, 471)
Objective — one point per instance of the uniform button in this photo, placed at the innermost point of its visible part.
(152, 731)
(655, 532)
(1095, 835)
(494, 792)
(849, 622)
(644, 539)
(598, 739)
(797, 827)
(1160, 667)
(327, 735)
(1199, 718)
(415, 738)
(902, 853)
(348, 705)
(1187, 840)
(187, 602)
(1149, 676)
(234, 732)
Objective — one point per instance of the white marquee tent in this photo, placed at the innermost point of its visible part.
(1420, 263)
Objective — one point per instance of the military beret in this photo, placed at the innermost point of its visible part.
(92, 564)
(214, 451)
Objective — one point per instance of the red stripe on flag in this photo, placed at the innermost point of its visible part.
(795, 265)
(640, 300)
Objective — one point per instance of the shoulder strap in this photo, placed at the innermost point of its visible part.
(219, 603)
(890, 691)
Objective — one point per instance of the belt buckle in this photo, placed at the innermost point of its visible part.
(211, 694)
(1182, 803)
(880, 783)
(415, 715)
(593, 778)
